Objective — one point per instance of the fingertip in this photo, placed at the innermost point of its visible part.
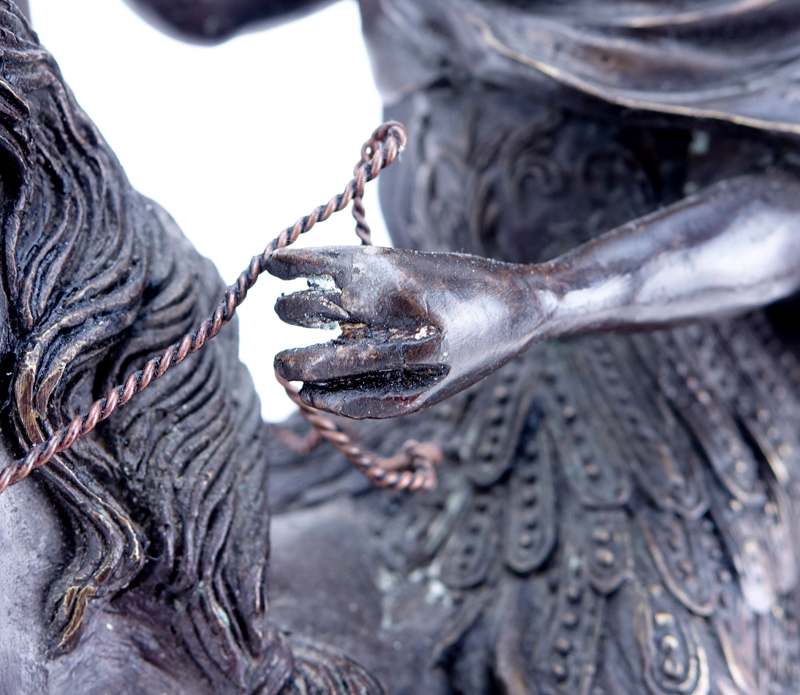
(357, 406)
(290, 264)
(311, 309)
(286, 366)
(343, 403)
(283, 264)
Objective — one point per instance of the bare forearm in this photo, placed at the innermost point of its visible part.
(733, 247)
(419, 327)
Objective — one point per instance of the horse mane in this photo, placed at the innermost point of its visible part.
(169, 495)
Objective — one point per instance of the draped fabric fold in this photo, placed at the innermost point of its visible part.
(734, 60)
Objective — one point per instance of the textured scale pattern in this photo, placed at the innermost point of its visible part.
(616, 514)
(667, 568)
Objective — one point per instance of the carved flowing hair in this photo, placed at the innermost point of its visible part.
(170, 493)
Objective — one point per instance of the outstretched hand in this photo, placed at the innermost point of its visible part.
(419, 327)
(416, 327)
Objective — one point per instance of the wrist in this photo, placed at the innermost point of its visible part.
(544, 313)
(582, 299)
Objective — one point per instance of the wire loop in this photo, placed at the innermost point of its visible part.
(414, 470)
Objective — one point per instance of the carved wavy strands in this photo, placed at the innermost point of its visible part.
(567, 656)
(674, 660)
(492, 428)
(588, 454)
(531, 517)
(471, 550)
(102, 277)
(74, 265)
(676, 546)
(707, 414)
(656, 445)
(321, 670)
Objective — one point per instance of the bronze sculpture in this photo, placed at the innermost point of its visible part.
(616, 512)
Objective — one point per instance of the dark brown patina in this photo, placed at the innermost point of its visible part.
(594, 196)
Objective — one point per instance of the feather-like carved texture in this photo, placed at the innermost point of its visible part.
(488, 444)
(471, 550)
(659, 481)
(677, 549)
(736, 627)
(674, 660)
(686, 590)
(566, 654)
(664, 461)
(530, 510)
(662, 457)
(589, 454)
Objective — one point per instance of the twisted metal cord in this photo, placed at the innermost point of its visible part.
(378, 152)
(412, 468)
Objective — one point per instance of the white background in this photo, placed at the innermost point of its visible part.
(236, 141)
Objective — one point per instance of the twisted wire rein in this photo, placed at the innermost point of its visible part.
(412, 468)
(378, 152)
